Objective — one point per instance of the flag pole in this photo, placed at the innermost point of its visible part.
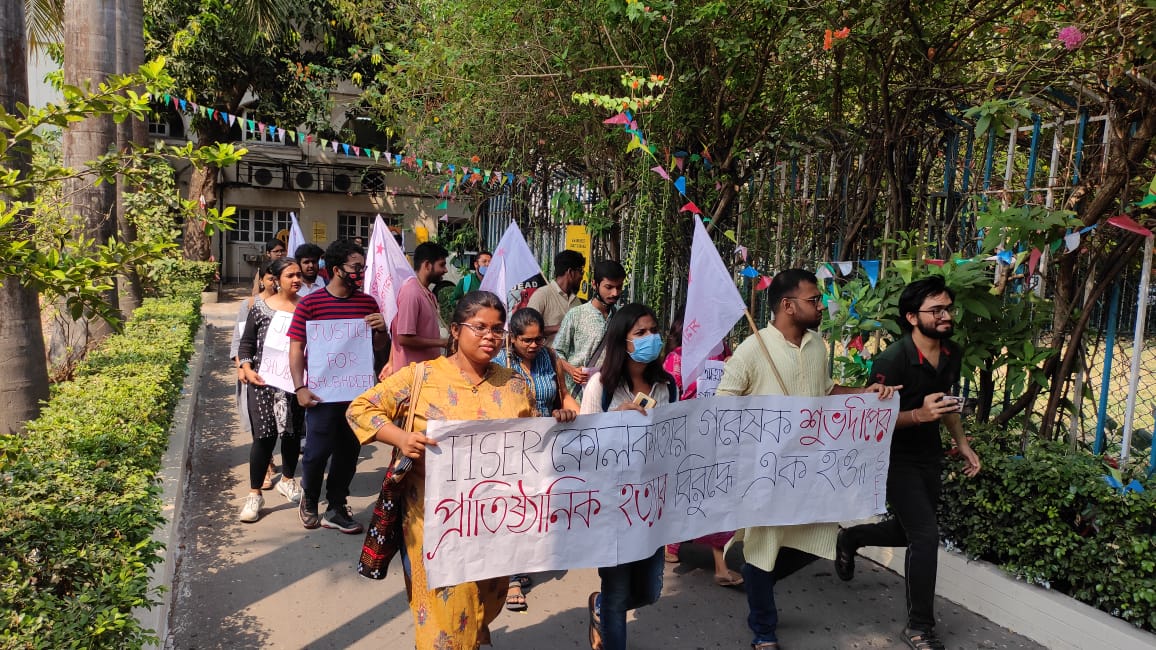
(766, 352)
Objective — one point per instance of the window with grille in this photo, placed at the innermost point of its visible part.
(258, 225)
(352, 224)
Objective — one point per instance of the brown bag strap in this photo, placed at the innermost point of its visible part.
(414, 392)
(559, 380)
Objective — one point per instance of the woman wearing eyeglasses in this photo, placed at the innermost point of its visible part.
(528, 355)
(632, 366)
(466, 385)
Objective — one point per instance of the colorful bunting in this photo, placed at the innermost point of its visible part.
(660, 171)
(871, 267)
(690, 207)
(680, 185)
(764, 282)
(1128, 223)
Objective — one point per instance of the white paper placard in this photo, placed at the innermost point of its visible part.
(339, 358)
(275, 354)
(707, 383)
(527, 495)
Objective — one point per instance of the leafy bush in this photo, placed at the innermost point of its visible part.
(79, 491)
(1049, 518)
(169, 275)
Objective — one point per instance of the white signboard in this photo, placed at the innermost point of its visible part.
(339, 358)
(275, 353)
(526, 495)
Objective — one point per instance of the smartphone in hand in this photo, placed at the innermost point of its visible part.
(956, 399)
(645, 401)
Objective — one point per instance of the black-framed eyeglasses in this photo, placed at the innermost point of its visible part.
(814, 300)
(940, 312)
(357, 268)
(482, 330)
(540, 340)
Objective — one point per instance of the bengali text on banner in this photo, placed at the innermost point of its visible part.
(526, 495)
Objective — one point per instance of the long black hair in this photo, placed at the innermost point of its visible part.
(614, 363)
(277, 267)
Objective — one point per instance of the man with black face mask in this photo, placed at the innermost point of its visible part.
(579, 342)
(329, 441)
(926, 362)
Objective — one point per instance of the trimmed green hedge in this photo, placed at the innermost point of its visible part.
(1050, 519)
(78, 493)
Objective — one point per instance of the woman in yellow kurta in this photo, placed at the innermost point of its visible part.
(464, 386)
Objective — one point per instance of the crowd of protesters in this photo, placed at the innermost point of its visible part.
(561, 357)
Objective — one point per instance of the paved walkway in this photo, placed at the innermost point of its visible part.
(274, 584)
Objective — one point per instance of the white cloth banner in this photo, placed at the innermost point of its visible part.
(512, 264)
(275, 353)
(386, 268)
(339, 358)
(713, 304)
(528, 495)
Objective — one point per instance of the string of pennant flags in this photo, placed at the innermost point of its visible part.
(459, 174)
(830, 270)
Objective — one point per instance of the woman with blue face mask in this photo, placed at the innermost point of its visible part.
(632, 365)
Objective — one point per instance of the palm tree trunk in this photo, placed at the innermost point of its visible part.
(21, 339)
(129, 57)
(90, 30)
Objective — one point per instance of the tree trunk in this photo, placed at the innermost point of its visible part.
(202, 188)
(129, 57)
(89, 57)
(21, 339)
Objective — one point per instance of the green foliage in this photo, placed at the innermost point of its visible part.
(1049, 518)
(79, 491)
(165, 275)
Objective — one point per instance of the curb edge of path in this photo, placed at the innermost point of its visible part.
(1047, 617)
(173, 476)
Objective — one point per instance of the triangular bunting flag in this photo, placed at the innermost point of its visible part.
(444, 205)
(345, 148)
(690, 207)
(680, 185)
(871, 267)
(1071, 241)
(657, 169)
(1128, 223)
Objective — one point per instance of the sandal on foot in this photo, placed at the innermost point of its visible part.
(522, 580)
(515, 602)
(731, 579)
(595, 623)
(922, 640)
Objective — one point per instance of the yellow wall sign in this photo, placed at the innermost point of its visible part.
(320, 234)
(578, 239)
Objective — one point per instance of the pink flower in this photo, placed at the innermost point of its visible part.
(1071, 37)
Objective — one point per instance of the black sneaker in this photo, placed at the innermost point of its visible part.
(341, 518)
(844, 556)
(308, 512)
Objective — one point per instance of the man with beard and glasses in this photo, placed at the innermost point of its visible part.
(417, 329)
(579, 342)
(926, 362)
(792, 341)
(327, 433)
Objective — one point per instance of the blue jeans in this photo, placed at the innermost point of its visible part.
(763, 617)
(329, 441)
(625, 587)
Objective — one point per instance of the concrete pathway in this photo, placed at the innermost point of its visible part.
(273, 584)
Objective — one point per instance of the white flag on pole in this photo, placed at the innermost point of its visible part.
(713, 304)
(512, 264)
(386, 268)
(295, 237)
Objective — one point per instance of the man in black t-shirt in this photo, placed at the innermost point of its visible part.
(926, 363)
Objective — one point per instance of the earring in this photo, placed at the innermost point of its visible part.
(276, 287)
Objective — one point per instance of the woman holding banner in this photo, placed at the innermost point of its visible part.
(273, 412)
(631, 378)
(528, 356)
(466, 385)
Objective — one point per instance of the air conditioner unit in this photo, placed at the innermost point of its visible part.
(271, 176)
(305, 179)
(344, 182)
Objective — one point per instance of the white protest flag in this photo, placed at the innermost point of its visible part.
(386, 268)
(713, 304)
(512, 264)
(295, 236)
